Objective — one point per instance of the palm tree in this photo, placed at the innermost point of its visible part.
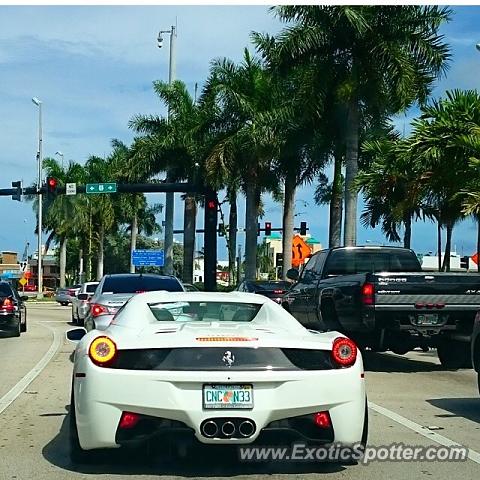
(392, 188)
(244, 136)
(381, 58)
(102, 208)
(440, 145)
(173, 145)
(64, 216)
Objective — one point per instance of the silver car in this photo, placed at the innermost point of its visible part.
(81, 302)
(115, 290)
(64, 295)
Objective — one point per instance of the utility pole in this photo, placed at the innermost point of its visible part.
(169, 197)
(38, 103)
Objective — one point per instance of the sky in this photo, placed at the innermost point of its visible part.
(93, 67)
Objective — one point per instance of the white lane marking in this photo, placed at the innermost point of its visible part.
(416, 427)
(12, 395)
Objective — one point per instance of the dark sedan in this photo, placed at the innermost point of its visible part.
(13, 313)
(274, 289)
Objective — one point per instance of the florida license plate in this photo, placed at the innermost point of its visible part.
(227, 396)
(427, 319)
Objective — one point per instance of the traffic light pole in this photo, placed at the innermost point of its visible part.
(39, 221)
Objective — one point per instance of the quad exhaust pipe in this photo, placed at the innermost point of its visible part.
(227, 428)
(209, 429)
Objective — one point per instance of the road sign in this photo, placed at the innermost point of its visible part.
(475, 258)
(100, 188)
(148, 258)
(23, 281)
(27, 275)
(70, 189)
(300, 251)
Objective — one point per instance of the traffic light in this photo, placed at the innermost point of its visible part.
(221, 229)
(303, 228)
(464, 262)
(52, 183)
(268, 229)
(258, 229)
(18, 194)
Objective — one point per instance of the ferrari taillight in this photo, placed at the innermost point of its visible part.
(322, 419)
(128, 420)
(102, 351)
(344, 352)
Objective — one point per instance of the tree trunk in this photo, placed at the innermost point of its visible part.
(101, 238)
(251, 226)
(81, 274)
(478, 244)
(448, 248)
(189, 225)
(407, 236)
(336, 205)
(287, 221)
(439, 245)
(351, 164)
(232, 236)
(63, 260)
(133, 239)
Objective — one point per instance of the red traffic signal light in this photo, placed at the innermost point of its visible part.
(268, 229)
(212, 205)
(52, 184)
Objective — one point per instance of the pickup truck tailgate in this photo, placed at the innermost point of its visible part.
(429, 288)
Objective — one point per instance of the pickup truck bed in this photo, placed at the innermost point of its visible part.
(343, 289)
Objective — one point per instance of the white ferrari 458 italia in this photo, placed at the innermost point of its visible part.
(221, 368)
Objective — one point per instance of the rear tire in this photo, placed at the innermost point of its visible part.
(18, 329)
(23, 326)
(454, 354)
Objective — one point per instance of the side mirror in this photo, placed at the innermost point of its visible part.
(75, 334)
(23, 298)
(83, 296)
(293, 274)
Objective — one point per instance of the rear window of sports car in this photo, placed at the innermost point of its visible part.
(204, 311)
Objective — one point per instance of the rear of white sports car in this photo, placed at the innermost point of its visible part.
(235, 382)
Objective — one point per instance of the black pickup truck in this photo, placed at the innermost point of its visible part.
(381, 298)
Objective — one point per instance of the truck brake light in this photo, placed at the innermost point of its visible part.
(368, 293)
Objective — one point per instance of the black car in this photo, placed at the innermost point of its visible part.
(274, 289)
(13, 313)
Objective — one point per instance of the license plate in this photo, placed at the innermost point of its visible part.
(227, 396)
(427, 319)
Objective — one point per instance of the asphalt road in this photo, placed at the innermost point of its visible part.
(412, 401)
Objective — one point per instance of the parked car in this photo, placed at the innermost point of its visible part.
(13, 313)
(81, 302)
(274, 289)
(381, 298)
(476, 347)
(165, 361)
(64, 295)
(114, 290)
(190, 288)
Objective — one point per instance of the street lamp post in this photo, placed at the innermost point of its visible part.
(38, 103)
(169, 198)
(60, 154)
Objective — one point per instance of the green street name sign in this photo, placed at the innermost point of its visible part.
(101, 188)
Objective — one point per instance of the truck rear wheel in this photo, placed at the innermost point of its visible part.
(454, 354)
